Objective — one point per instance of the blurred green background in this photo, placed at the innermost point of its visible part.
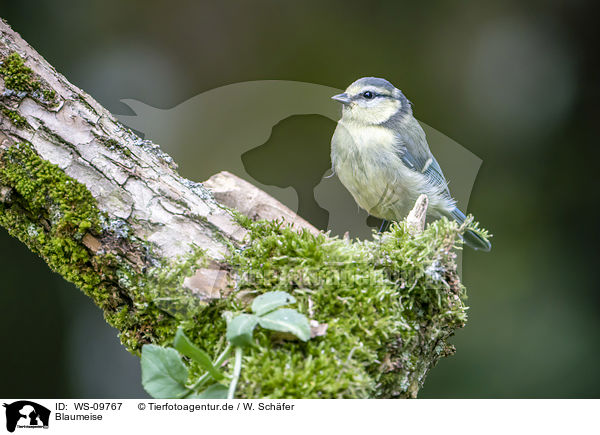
(514, 82)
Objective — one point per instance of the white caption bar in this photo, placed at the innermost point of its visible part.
(363, 417)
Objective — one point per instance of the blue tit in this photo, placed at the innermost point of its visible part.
(380, 154)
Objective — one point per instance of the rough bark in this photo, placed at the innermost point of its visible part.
(109, 212)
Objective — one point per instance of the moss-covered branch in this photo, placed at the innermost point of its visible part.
(154, 251)
(102, 207)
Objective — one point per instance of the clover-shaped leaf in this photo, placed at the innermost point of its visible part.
(269, 315)
(287, 320)
(239, 330)
(268, 302)
(163, 373)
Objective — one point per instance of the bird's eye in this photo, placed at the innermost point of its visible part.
(368, 95)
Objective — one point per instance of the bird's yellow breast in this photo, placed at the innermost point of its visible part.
(367, 163)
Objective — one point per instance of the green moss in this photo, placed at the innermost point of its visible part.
(49, 94)
(17, 76)
(160, 302)
(113, 144)
(389, 304)
(14, 117)
(51, 213)
(49, 192)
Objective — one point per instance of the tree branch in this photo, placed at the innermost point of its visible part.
(155, 251)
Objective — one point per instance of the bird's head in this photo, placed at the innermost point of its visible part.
(372, 101)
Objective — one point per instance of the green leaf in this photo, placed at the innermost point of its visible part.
(267, 302)
(163, 373)
(239, 330)
(287, 320)
(215, 391)
(183, 344)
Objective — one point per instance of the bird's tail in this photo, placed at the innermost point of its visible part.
(471, 238)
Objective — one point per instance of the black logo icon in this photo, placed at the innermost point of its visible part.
(26, 414)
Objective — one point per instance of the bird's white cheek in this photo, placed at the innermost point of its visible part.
(372, 114)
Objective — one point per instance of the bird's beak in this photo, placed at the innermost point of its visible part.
(342, 98)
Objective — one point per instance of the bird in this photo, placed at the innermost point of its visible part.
(380, 154)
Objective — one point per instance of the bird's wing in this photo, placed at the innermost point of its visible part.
(426, 166)
(414, 152)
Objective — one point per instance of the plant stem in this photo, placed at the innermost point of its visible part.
(223, 355)
(237, 368)
(201, 380)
